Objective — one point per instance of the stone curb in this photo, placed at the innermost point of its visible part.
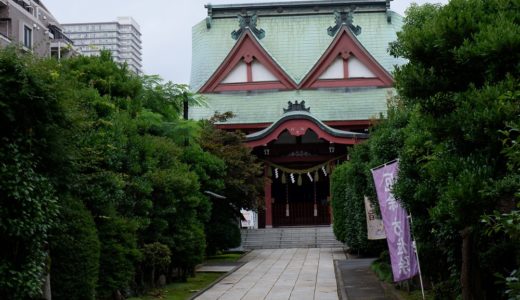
(217, 281)
(390, 291)
(342, 295)
(240, 265)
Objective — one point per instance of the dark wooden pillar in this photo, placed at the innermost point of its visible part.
(268, 199)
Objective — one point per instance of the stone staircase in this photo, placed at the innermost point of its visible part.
(289, 237)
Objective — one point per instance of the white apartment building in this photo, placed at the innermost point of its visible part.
(122, 38)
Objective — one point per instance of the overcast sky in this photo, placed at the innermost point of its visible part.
(165, 26)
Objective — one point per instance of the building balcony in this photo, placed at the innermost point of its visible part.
(5, 30)
(63, 48)
(4, 41)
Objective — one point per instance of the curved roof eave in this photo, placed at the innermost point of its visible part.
(302, 115)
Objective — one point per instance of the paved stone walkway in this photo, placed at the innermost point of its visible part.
(278, 274)
(358, 281)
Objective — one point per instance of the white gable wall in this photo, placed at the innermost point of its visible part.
(261, 73)
(356, 69)
(335, 70)
(238, 74)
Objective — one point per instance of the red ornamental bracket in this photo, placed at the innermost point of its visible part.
(297, 131)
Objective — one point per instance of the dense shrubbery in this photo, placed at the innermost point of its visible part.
(242, 184)
(29, 116)
(459, 94)
(74, 248)
(99, 158)
(349, 183)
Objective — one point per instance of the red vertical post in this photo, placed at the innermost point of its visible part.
(268, 199)
(345, 69)
(249, 72)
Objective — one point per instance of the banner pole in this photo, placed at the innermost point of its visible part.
(417, 257)
(385, 164)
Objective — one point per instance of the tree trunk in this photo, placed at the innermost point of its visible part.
(47, 287)
(153, 277)
(469, 273)
(185, 110)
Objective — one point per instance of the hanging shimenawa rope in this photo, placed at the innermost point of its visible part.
(325, 165)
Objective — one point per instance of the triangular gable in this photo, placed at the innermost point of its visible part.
(248, 67)
(346, 63)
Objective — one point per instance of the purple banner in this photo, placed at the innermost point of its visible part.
(397, 227)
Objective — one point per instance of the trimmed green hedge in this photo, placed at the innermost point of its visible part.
(350, 184)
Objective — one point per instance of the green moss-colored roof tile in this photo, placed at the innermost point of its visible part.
(267, 107)
(296, 43)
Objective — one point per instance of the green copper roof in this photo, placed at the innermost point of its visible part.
(295, 42)
(267, 107)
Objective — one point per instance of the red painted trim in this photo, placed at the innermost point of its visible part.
(286, 159)
(298, 128)
(345, 68)
(247, 48)
(249, 72)
(250, 86)
(346, 45)
(351, 82)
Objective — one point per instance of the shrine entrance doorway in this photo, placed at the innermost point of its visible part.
(299, 153)
(301, 205)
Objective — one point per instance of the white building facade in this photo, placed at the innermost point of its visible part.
(122, 38)
(31, 26)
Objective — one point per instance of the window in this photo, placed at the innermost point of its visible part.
(27, 37)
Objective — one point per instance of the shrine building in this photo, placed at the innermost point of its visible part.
(304, 79)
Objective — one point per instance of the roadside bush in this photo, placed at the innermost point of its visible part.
(156, 257)
(119, 255)
(224, 232)
(75, 253)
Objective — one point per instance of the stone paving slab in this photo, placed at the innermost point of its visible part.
(281, 274)
(358, 282)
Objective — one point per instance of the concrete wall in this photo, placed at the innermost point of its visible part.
(16, 18)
